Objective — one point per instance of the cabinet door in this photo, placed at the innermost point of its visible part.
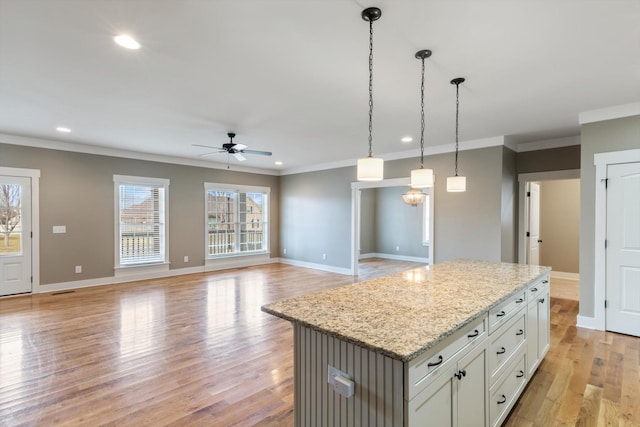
(543, 323)
(471, 399)
(433, 406)
(532, 335)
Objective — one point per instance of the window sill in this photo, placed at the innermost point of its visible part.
(137, 269)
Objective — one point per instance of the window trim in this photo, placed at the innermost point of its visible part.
(127, 269)
(238, 188)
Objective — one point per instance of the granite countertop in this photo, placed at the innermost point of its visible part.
(405, 314)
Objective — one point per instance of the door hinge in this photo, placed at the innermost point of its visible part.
(605, 243)
(32, 234)
(528, 193)
(31, 279)
(528, 234)
(606, 182)
(605, 303)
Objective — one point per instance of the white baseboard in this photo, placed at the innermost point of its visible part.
(566, 276)
(315, 266)
(221, 264)
(587, 322)
(112, 280)
(395, 257)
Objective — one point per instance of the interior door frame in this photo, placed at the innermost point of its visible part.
(356, 192)
(523, 202)
(34, 175)
(602, 162)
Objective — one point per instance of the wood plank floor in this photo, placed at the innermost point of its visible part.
(197, 351)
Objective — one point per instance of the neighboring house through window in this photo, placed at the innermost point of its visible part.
(237, 219)
(141, 221)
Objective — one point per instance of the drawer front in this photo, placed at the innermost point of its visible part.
(537, 288)
(500, 314)
(504, 343)
(425, 367)
(504, 394)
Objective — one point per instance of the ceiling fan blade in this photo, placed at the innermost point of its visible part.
(206, 146)
(239, 147)
(239, 156)
(262, 153)
(211, 154)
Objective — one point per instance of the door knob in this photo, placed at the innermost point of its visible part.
(539, 241)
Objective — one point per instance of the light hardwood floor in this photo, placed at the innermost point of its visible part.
(197, 351)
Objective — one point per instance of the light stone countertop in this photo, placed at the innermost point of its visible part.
(405, 314)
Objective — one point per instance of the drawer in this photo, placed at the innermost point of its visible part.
(506, 309)
(538, 287)
(504, 343)
(503, 395)
(426, 366)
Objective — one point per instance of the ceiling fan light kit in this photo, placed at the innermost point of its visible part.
(456, 183)
(370, 168)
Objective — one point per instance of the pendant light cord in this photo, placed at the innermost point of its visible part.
(457, 113)
(370, 85)
(422, 118)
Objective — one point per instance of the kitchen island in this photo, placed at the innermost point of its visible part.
(450, 344)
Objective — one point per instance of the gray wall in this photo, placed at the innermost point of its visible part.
(509, 216)
(77, 190)
(368, 222)
(316, 216)
(560, 225)
(398, 224)
(599, 137)
(553, 159)
(467, 225)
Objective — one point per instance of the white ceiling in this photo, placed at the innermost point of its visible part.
(291, 76)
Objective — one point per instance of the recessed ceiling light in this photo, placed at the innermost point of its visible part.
(406, 139)
(127, 41)
(279, 163)
(63, 129)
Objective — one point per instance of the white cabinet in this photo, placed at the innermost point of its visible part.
(455, 397)
(538, 327)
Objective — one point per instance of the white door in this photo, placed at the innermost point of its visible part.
(623, 249)
(533, 235)
(15, 235)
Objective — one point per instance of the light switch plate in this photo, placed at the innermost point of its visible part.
(59, 229)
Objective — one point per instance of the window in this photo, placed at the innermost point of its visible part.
(141, 220)
(236, 219)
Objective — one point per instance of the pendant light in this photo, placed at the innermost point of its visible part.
(370, 168)
(457, 184)
(414, 197)
(422, 178)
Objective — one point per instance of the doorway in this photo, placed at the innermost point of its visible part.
(400, 232)
(18, 230)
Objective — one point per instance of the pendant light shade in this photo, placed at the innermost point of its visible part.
(370, 168)
(457, 184)
(414, 197)
(422, 178)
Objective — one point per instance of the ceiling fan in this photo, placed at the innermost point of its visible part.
(237, 150)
